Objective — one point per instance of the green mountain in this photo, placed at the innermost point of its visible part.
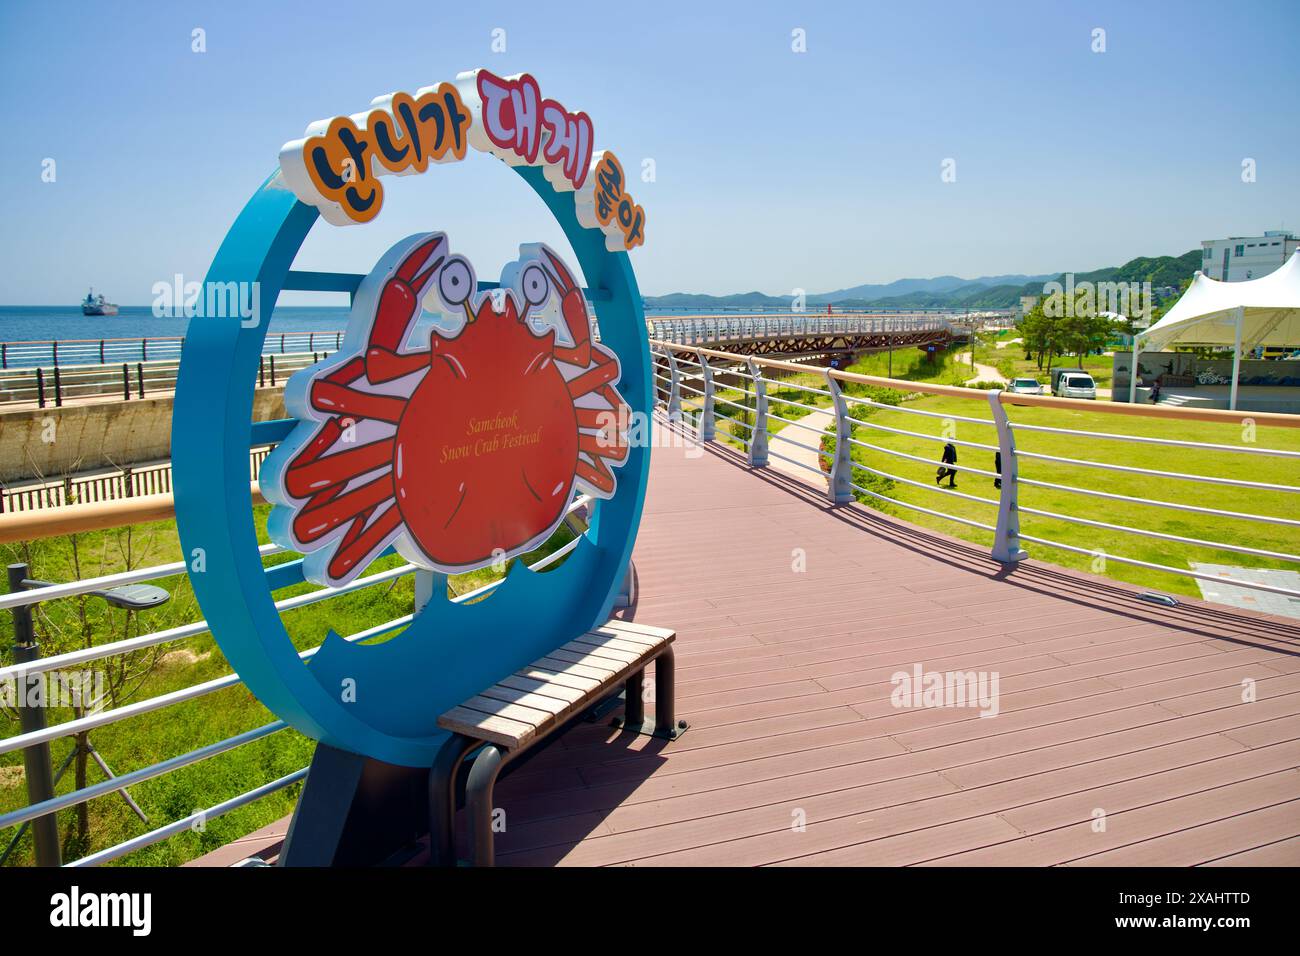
(948, 292)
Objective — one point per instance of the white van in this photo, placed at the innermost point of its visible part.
(1076, 385)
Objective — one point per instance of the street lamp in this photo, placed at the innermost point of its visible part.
(36, 758)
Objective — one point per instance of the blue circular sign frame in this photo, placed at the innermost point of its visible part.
(380, 700)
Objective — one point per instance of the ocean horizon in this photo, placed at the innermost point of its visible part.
(61, 323)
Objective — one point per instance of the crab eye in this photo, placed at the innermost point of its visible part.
(536, 286)
(455, 281)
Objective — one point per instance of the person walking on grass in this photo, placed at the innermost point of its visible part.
(949, 458)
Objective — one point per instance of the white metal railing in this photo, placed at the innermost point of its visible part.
(110, 351)
(53, 386)
(20, 672)
(840, 470)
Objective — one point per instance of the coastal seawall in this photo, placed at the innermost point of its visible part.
(47, 443)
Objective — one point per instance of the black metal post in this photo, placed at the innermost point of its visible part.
(139, 379)
(36, 759)
(126, 383)
(40, 388)
(272, 357)
(58, 389)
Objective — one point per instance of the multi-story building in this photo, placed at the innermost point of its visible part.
(1246, 257)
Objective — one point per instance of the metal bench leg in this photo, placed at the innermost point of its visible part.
(634, 700)
(478, 802)
(442, 799)
(666, 724)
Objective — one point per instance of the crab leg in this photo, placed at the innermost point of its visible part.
(599, 446)
(337, 399)
(574, 309)
(604, 372)
(310, 473)
(318, 519)
(596, 474)
(358, 543)
(399, 302)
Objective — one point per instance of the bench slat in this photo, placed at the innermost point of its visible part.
(592, 666)
(640, 640)
(602, 651)
(618, 644)
(560, 678)
(658, 634)
(543, 688)
(538, 719)
(513, 695)
(498, 730)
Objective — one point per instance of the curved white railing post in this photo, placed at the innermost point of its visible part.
(758, 437)
(707, 430)
(1006, 539)
(674, 389)
(840, 489)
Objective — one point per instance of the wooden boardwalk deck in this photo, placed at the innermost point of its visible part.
(1106, 704)
(1121, 737)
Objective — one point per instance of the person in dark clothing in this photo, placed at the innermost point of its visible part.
(949, 458)
(1155, 393)
(997, 466)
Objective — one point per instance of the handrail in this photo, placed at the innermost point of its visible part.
(93, 516)
(1007, 534)
(1220, 415)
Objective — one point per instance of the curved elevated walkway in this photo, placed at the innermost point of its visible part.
(1121, 736)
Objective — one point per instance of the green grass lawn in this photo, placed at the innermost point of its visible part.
(948, 369)
(144, 740)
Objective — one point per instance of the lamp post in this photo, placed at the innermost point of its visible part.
(37, 765)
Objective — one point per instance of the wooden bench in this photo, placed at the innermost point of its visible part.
(501, 722)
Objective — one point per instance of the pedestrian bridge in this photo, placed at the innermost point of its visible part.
(1103, 728)
(807, 335)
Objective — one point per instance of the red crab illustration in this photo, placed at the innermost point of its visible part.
(491, 429)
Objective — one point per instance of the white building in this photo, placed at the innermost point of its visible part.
(1246, 257)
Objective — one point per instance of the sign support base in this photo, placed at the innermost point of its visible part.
(356, 811)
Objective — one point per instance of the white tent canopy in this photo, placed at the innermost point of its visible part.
(1263, 311)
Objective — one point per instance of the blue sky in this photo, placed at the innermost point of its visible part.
(775, 170)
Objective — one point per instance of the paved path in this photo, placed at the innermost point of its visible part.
(804, 458)
(985, 373)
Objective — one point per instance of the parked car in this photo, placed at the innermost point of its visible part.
(1074, 384)
(1025, 386)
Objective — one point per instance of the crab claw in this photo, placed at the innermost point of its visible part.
(574, 308)
(399, 303)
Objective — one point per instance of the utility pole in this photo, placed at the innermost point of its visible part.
(36, 759)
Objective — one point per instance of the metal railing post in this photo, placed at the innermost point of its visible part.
(758, 437)
(37, 765)
(838, 488)
(708, 430)
(1006, 538)
(674, 389)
